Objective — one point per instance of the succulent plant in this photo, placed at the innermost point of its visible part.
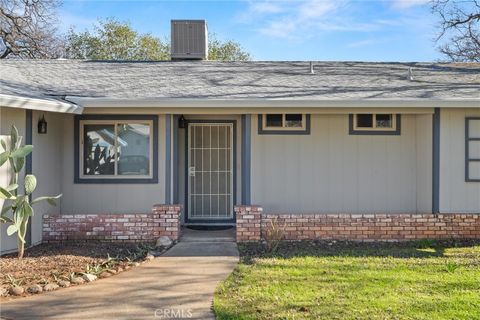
(18, 208)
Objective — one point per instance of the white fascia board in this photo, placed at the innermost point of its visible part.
(50, 105)
(271, 103)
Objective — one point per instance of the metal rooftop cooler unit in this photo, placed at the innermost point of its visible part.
(189, 40)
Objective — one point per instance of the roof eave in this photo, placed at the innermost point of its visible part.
(88, 102)
(41, 104)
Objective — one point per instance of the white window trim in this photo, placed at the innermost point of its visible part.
(374, 127)
(283, 127)
(82, 123)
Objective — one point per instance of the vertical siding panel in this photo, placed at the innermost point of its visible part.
(456, 195)
(423, 144)
(47, 162)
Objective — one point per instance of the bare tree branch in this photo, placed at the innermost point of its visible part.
(27, 29)
(459, 29)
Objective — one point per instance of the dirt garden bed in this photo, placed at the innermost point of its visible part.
(48, 267)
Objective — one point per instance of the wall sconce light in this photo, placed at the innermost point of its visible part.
(42, 125)
(182, 122)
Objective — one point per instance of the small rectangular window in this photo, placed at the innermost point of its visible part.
(117, 149)
(364, 120)
(472, 149)
(293, 120)
(284, 123)
(374, 124)
(274, 120)
(383, 121)
(374, 121)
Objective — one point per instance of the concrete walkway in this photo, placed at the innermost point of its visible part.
(178, 285)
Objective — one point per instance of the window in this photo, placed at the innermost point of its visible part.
(374, 124)
(113, 149)
(282, 123)
(472, 149)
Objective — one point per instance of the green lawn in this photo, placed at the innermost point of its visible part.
(354, 281)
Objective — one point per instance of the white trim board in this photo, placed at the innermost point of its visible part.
(51, 105)
(249, 104)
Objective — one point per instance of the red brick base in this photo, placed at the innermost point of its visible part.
(163, 221)
(252, 226)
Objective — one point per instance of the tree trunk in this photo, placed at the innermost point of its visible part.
(21, 237)
(21, 248)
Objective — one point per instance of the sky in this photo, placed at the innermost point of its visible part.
(341, 30)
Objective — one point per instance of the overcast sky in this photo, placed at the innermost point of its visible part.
(380, 30)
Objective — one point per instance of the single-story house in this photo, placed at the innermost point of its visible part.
(348, 150)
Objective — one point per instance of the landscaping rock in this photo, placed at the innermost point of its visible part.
(50, 287)
(119, 269)
(78, 280)
(113, 271)
(149, 257)
(89, 277)
(105, 274)
(3, 292)
(64, 284)
(136, 264)
(17, 291)
(36, 288)
(155, 253)
(164, 242)
(126, 267)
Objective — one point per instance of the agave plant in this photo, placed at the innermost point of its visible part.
(18, 207)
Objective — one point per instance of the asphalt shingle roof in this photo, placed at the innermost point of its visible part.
(239, 80)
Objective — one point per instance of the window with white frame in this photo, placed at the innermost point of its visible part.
(283, 122)
(375, 123)
(116, 149)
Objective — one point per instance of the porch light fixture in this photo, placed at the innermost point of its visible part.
(42, 125)
(182, 122)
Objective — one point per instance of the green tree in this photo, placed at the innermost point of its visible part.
(228, 50)
(115, 40)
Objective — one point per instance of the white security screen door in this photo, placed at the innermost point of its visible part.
(210, 172)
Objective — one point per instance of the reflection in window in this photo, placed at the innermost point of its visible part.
(293, 120)
(274, 120)
(117, 148)
(375, 121)
(383, 120)
(365, 120)
(283, 121)
(99, 149)
(133, 149)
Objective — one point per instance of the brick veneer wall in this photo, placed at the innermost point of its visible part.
(163, 221)
(248, 222)
(358, 227)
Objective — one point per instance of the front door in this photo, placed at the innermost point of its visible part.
(210, 176)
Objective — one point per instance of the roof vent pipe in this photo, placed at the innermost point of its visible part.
(410, 74)
(311, 68)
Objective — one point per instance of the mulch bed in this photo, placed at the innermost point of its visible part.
(51, 263)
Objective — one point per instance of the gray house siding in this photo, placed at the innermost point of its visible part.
(456, 195)
(47, 163)
(330, 171)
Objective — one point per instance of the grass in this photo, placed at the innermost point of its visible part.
(354, 281)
